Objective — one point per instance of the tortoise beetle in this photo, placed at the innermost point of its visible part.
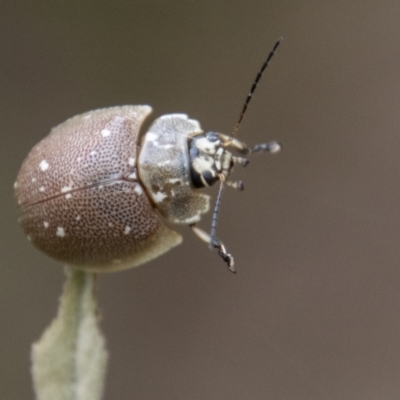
(97, 196)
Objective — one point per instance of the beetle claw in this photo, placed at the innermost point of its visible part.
(215, 243)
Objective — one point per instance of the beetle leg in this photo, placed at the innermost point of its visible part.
(228, 141)
(241, 147)
(272, 147)
(217, 244)
(240, 160)
(235, 185)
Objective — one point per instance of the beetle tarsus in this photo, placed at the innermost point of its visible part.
(215, 244)
(236, 185)
(228, 258)
(271, 147)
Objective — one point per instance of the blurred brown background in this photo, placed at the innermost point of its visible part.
(314, 312)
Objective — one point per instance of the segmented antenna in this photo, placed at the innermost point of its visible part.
(254, 86)
(215, 213)
(235, 129)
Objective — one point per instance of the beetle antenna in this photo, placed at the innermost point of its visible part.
(254, 86)
(214, 220)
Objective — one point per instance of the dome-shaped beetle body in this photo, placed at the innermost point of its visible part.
(81, 197)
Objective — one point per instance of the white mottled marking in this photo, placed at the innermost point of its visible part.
(33, 180)
(46, 224)
(60, 231)
(44, 165)
(166, 146)
(66, 189)
(42, 189)
(132, 176)
(68, 196)
(159, 197)
(174, 180)
(190, 220)
(127, 230)
(131, 161)
(110, 224)
(93, 153)
(165, 162)
(78, 217)
(105, 132)
(79, 159)
(138, 189)
(152, 137)
(101, 186)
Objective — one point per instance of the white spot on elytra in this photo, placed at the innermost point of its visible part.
(132, 176)
(110, 224)
(79, 159)
(68, 196)
(174, 180)
(78, 217)
(60, 231)
(44, 165)
(138, 189)
(15, 184)
(127, 230)
(93, 153)
(131, 161)
(46, 224)
(105, 132)
(66, 189)
(42, 189)
(33, 180)
(159, 197)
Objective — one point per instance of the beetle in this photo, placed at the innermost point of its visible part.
(97, 195)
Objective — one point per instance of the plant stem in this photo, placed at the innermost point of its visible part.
(69, 361)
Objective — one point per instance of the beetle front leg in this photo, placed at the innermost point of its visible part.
(241, 147)
(217, 244)
(271, 147)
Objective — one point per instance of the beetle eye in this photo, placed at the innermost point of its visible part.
(212, 136)
(193, 150)
(209, 178)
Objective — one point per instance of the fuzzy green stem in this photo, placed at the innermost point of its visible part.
(69, 361)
